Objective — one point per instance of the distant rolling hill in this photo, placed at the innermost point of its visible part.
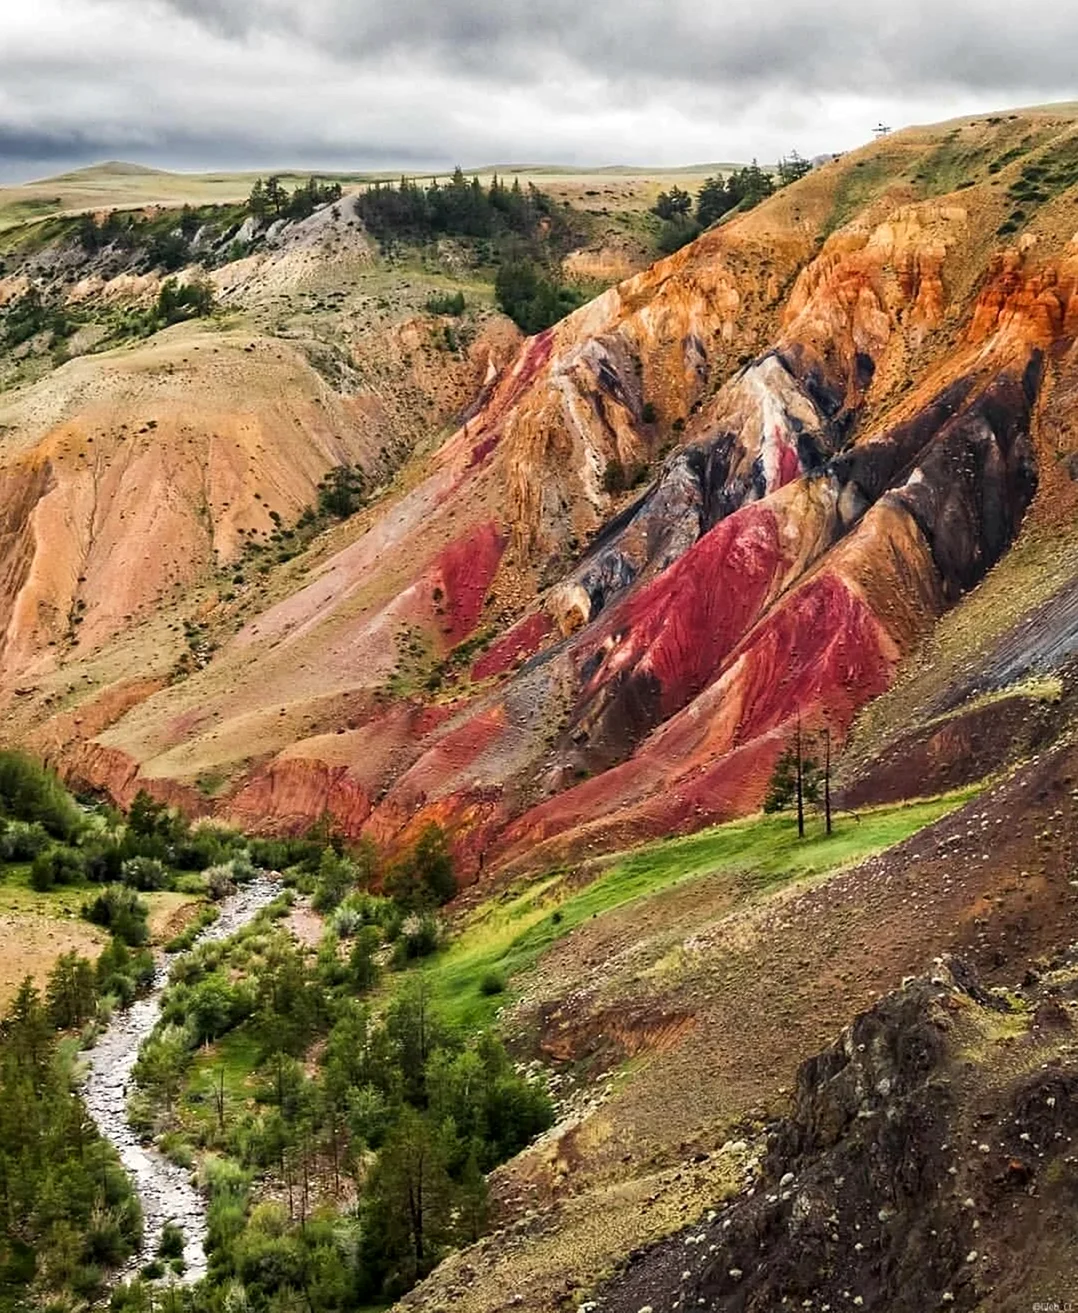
(116, 184)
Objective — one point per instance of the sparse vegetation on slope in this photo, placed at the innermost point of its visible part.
(508, 935)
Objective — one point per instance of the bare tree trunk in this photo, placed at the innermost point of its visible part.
(827, 777)
(219, 1099)
(334, 1133)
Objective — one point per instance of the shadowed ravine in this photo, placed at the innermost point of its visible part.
(165, 1190)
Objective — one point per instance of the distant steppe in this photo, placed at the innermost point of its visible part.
(116, 185)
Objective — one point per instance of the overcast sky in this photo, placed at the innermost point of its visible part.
(414, 83)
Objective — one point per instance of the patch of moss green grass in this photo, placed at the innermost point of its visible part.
(17, 895)
(236, 1053)
(509, 935)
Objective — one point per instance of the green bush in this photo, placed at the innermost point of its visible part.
(531, 297)
(120, 910)
(451, 303)
(20, 842)
(146, 874)
(31, 792)
(121, 974)
(425, 877)
(336, 877)
(57, 866)
(171, 1243)
(362, 961)
(420, 935)
(215, 1005)
(491, 983)
(676, 233)
(341, 491)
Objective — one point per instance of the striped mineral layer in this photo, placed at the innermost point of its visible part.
(838, 412)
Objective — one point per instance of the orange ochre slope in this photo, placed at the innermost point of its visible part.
(840, 405)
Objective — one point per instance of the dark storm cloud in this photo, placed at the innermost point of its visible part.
(414, 82)
(977, 44)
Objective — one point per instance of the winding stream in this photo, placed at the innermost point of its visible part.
(165, 1190)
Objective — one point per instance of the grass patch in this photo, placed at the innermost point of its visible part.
(954, 165)
(19, 897)
(236, 1054)
(507, 937)
(861, 183)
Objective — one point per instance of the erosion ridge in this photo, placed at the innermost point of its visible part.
(850, 425)
(841, 405)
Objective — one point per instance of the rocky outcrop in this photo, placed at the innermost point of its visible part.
(917, 1168)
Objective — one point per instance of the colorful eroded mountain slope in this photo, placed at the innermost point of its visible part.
(840, 407)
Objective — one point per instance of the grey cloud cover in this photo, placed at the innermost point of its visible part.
(229, 83)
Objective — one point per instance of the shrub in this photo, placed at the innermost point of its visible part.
(121, 973)
(145, 873)
(279, 854)
(340, 493)
(171, 1243)
(103, 861)
(20, 842)
(57, 866)
(220, 881)
(425, 878)
(215, 1006)
(452, 303)
(345, 921)
(492, 982)
(614, 480)
(420, 935)
(130, 1297)
(203, 847)
(362, 963)
(676, 233)
(361, 909)
(31, 792)
(532, 298)
(336, 876)
(120, 910)
(243, 867)
(25, 318)
(176, 1149)
(151, 819)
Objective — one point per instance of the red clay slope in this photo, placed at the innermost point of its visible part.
(831, 491)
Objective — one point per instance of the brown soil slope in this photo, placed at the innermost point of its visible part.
(702, 1002)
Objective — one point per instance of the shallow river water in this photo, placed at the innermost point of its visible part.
(165, 1190)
